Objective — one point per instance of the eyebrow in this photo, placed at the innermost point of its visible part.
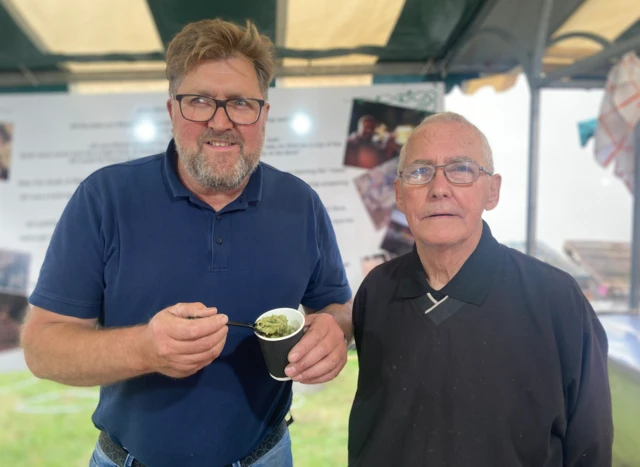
(230, 96)
(451, 160)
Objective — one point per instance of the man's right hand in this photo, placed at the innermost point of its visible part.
(177, 345)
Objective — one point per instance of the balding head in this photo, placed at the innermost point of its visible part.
(451, 117)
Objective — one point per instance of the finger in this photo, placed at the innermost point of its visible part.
(191, 330)
(203, 344)
(200, 358)
(313, 356)
(191, 310)
(324, 379)
(310, 339)
(325, 370)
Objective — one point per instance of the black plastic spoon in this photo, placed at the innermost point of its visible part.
(246, 325)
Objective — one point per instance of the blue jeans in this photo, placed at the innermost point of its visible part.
(100, 459)
(279, 456)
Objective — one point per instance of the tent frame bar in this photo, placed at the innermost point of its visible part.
(589, 63)
(535, 71)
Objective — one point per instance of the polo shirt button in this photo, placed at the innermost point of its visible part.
(218, 217)
(219, 240)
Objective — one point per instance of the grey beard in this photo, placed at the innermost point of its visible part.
(197, 168)
(195, 163)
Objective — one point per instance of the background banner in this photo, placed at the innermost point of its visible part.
(344, 142)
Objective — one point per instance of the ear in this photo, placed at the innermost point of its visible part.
(399, 199)
(494, 192)
(170, 108)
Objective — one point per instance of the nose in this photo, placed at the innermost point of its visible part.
(439, 186)
(220, 121)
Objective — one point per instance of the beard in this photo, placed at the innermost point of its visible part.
(207, 172)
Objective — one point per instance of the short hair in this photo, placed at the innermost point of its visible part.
(215, 39)
(367, 118)
(445, 117)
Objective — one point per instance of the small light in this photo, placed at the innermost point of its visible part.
(301, 123)
(145, 131)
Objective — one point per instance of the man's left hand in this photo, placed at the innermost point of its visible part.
(321, 353)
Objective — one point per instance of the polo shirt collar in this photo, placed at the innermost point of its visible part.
(472, 282)
(251, 193)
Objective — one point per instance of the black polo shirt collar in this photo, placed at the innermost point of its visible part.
(250, 195)
(472, 282)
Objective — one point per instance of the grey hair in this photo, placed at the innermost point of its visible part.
(446, 117)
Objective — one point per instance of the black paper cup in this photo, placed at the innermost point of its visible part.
(276, 350)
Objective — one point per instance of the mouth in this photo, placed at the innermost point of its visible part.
(440, 215)
(219, 144)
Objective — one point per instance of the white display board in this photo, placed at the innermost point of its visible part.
(57, 140)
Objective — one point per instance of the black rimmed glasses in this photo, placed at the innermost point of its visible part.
(240, 110)
(458, 173)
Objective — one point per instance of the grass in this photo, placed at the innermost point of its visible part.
(319, 434)
(625, 392)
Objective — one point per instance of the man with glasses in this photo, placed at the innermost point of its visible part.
(471, 353)
(204, 231)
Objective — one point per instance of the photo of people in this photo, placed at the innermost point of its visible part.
(377, 132)
(398, 240)
(14, 276)
(6, 138)
(377, 192)
(12, 311)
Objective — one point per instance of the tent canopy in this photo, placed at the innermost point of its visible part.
(48, 42)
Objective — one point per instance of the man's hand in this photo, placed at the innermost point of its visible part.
(178, 346)
(321, 353)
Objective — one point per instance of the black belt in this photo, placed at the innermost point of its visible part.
(118, 455)
(115, 453)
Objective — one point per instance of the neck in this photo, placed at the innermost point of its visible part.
(442, 263)
(216, 199)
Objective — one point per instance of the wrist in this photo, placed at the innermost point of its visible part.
(141, 352)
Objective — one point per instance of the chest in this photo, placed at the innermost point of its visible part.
(235, 261)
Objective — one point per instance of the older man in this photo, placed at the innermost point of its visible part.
(471, 353)
(204, 230)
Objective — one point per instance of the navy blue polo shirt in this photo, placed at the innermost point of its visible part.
(133, 241)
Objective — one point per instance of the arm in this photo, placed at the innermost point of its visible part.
(61, 339)
(74, 351)
(341, 313)
(589, 435)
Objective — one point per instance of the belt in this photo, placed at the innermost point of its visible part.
(115, 453)
(118, 454)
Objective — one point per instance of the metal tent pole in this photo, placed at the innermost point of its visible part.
(534, 125)
(532, 187)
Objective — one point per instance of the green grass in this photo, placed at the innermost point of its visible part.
(625, 393)
(319, 434)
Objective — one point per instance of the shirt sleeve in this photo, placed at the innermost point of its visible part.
(328, 283)
(589, 434)
(71, 281)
